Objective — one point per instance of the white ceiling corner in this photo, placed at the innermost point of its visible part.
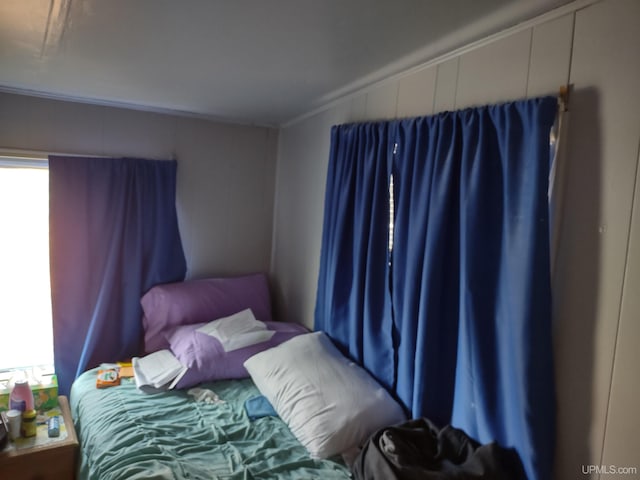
(242, 61)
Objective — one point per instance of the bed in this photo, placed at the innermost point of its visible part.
(323, 407)
(126, 434)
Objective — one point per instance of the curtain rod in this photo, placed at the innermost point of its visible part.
(44, 155)
(26, 154)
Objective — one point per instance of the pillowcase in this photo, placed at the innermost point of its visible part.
(206, 359)
(195, 301)
(329, 403)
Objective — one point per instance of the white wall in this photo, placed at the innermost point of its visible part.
(225, 180)
(597, 331)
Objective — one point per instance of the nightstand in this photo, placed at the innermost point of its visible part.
(41, 457)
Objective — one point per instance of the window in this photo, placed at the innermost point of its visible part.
(25, 290)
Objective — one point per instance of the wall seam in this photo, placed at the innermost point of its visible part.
(625, 274)
(335, 99)
(526, 83)
(395, 112)
(276, 202)
(435, 89)
(433, 92)
(455, 93)
(573, 39)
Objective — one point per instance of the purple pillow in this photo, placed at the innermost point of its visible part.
(206, 359)
(195, 301)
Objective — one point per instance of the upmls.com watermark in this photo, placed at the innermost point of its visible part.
(609, 470)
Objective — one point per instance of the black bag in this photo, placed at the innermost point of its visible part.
(417, 450)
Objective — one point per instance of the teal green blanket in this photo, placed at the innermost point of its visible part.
(126, 434)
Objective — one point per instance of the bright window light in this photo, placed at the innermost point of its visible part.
(25, 289)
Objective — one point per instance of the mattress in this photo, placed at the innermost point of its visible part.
(127, 434)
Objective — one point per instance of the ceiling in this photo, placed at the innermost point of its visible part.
(245, 61)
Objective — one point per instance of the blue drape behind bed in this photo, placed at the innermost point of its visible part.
(468, 331)
(113, 235)
(353, 286)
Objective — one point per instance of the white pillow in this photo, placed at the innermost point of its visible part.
(329, 403)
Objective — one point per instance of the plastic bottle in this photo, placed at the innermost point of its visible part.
(21, 397)
(29, 427)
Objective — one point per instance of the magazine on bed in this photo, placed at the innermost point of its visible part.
(157, 371)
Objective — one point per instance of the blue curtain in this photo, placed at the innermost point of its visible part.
(353, 301)
(113, 235)
(468, 281)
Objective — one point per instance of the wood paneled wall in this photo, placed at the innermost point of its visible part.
(597, 280)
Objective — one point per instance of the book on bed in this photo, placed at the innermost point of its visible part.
(157, 371)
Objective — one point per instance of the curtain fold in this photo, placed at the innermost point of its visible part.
(353, 277)
(113, 235)
(463, 322)
(471, 281)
